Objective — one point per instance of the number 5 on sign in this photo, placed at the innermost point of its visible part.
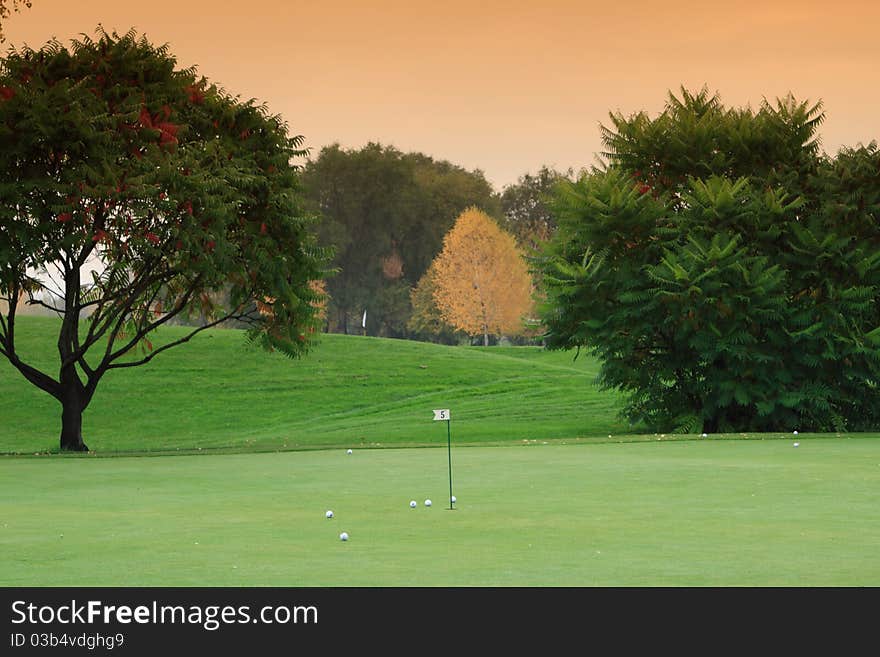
(442, 414)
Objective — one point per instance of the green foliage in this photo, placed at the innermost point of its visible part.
(696, 136)
(385, 212)
(426, 322)
(722, 270)
(172, 189)
(526, 206)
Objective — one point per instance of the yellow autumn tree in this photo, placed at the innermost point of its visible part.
(481, 281)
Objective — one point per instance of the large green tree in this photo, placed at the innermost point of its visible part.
(167, 188)
(385, 212)
(725, 272)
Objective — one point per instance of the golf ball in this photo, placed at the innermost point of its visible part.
(795, 432)
(705, 435)
(343, 536)
(329, 514)
(427, 502)
(452, 499)
(348, 452)
(412, 504)
(796, 444)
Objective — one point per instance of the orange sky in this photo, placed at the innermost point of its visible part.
(500, 86)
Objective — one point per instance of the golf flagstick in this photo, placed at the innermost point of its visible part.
(443, 414)
(449, 454)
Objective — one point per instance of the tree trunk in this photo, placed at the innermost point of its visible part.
(485, 339)
(71, 424)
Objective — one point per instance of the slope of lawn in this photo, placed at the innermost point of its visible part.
(545, 496)
(679, 513)
(220, 392)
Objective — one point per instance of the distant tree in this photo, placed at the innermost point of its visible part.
(175, 190)
(385, 212)
(526, 206)
(725, 273)
(4, 12)
(426, 321)
(481, 282)
(528, 215)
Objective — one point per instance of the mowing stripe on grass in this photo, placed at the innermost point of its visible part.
(688, 513)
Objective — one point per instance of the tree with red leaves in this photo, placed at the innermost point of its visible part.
(178, 194)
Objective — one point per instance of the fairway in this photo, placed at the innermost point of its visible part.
(680, 513)
(219, 392)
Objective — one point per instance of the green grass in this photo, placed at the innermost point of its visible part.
(219, 392)
(552, 491)
(680, 513)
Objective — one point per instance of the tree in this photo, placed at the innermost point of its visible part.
(725, 272)
(385, 212)
(5, 6)
(481, 281)
(171, 188)
(526, 206)
(426, 321)
(529, 217)
(696, 136)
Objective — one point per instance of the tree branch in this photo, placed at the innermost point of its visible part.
(3, 328)
(179, 341)
(35, 376)
(12, 300)
(37, 302)
(99, 325)
(110, 355)
(58, 290)
(32, 374)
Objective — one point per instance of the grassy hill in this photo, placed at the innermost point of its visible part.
(219, 392)
(566, 507)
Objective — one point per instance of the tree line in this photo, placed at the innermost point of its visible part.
(722, 268)
(386, 215)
